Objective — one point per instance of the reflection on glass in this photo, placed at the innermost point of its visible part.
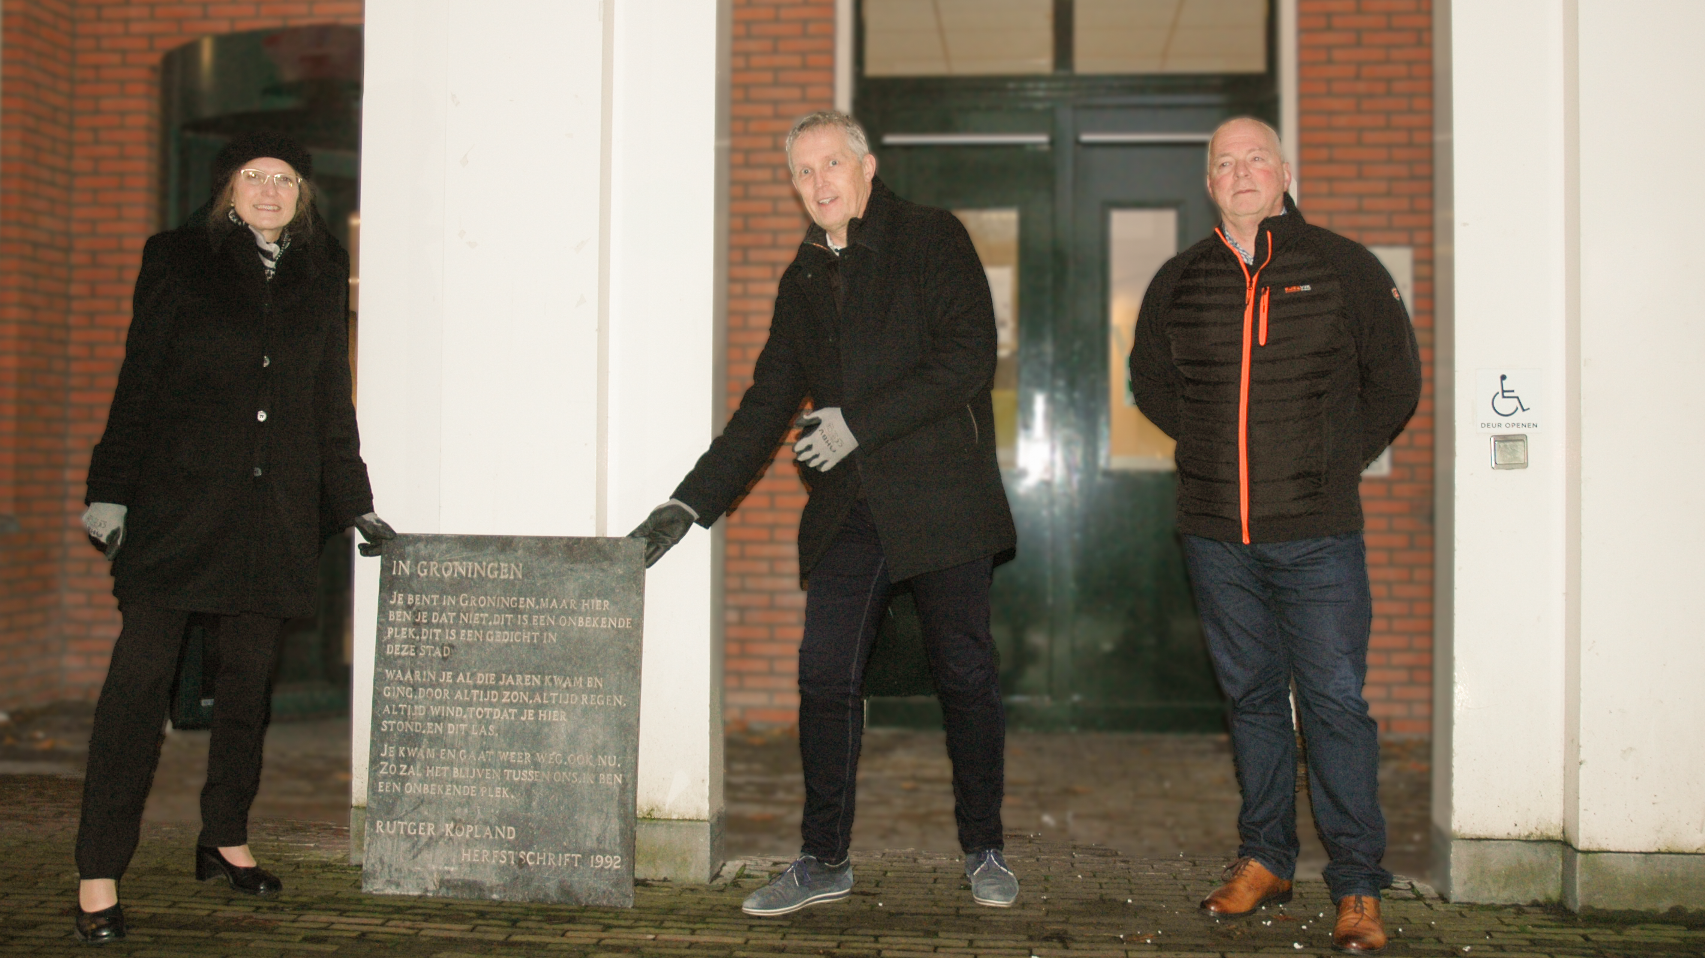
(994, 232)
(1139, 242)
(1170, 36)
(958, 37)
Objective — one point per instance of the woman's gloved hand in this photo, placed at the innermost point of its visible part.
(667, 525)
(376, 531)
(104, 521)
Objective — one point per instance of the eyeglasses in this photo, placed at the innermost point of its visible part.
(258, 179)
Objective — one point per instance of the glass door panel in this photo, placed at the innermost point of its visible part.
(1139, 242)
(916, 38)
(1170, 36)
(994, 232)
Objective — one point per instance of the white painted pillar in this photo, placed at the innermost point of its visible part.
(1569, 764)
(542, 293)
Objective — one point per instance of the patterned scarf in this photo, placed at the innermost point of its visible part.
(270, 253)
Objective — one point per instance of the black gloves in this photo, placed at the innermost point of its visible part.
(376, 531)
(667, 525)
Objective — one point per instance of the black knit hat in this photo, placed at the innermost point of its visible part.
(254, 145)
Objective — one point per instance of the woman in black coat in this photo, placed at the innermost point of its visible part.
(229, 455)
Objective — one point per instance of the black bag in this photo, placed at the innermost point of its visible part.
(198, 663)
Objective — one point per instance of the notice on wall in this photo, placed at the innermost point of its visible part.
(1508, 400)
(505, 736)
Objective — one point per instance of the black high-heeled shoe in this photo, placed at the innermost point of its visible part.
(210, 863)
(100, 927)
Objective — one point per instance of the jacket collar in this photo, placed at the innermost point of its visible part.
(1280, 227)
(1287, 223)
(870, 230)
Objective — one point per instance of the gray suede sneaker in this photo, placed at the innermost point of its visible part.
(992, 883)
(808, 881)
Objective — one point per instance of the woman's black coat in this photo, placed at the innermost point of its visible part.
(232, 434)
(905, 347)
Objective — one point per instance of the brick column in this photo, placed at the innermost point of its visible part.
(35, 249)
(1366, 117)
(783, 62)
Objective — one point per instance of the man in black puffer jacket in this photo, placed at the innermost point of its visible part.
(1279, 356)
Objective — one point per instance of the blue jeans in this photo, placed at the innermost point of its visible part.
(1299, 610)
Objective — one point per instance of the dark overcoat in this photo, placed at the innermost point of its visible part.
(905, 347)
(232, 434)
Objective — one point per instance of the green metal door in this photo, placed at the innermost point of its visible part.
(1005, 194)
(1094, 619)
(1135, 644)
(1075, 186)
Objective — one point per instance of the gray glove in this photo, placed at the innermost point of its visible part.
(826, 441)
(376, 531)
(667, 525)
(104, 521)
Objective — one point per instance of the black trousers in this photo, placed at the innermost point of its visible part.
(124, 747)
(845, 599)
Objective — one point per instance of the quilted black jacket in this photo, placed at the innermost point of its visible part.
(1280, 380)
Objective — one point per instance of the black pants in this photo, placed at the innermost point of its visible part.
(845, 599)
(125, 745)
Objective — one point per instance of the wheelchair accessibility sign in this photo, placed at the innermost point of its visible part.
(1507, 400)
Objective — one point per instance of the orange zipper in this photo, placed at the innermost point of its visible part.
(1249, 281)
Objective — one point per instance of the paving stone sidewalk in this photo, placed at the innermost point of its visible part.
(1147, 795)
(1078, 900)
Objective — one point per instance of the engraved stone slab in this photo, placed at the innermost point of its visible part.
(506, 719)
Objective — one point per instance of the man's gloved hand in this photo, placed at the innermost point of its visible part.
(376, 531)
(667, 525)
(827, 439)
(104, 521)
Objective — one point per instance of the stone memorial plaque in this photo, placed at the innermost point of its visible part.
(506, 719)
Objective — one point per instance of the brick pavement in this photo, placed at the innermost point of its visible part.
(1149, 796)
(1078, 900)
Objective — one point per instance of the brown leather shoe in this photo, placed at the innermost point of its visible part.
(1248, 886)
(1360, 930)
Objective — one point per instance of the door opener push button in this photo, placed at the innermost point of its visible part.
(1509, 452)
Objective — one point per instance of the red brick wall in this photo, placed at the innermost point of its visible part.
(1366, 112)
(35, 247)
(783, 63)
(77, 201)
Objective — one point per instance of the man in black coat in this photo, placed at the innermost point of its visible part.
(884, 320)
(1280, 357)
